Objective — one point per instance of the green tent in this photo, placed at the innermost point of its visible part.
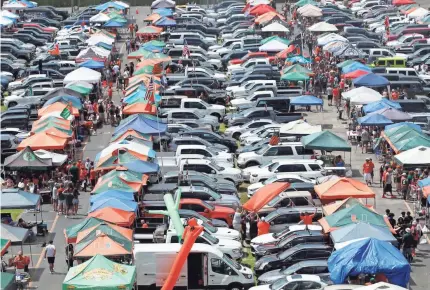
(111, 232)
(413, 142)
(345, 63)
(71, 233)
(294, 76)
(395, 138)
(325, 140)
(50, 125)
(127, 175)
(352, 214)
(100, 273)
(112, 183)
(280, 39)
(7, 281)
(80, 89)
(302, 3)
(297, 68)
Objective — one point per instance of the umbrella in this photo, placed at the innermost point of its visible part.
(374, 120)
(294, 76)
(81, 87)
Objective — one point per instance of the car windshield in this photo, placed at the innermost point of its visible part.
(265, 164)
(231, 262)
(212, 193)
(210, 238)
(270, 180)
(207, 205)
(278, 284)
(283, 255)
(261, 150)
(273, 166)
(281, 233)
(291, 270)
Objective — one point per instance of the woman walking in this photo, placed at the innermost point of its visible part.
(75, 201)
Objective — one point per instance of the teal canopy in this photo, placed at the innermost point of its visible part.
(325, 140)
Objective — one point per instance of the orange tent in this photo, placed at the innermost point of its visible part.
(153, 17)
(133, 133)
(126, 233)
(338, 205)
(343, 188)
(57, 107)
(54, 131)
(102, 245)
(140, 108)
(104, 159)
(261, 9)
(46, 140)
(115, 216)
(152, 61)
(267, 17)
(284, 53)
(265, 194)
(66, 124)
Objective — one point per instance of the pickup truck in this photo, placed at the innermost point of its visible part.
(198, 105)
(246, 65)
(195, 152)
(245, 116)
(181, 115)
(250, 55)
(245, 88)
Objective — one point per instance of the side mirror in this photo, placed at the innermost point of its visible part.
(212, 199)
(213, 172)
(276, 171)
(206, 210)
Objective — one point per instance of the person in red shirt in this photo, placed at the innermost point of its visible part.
(336, 95)
(342, 85)
(307, 218)
(263, 227)
(110, 92)
(367, 171)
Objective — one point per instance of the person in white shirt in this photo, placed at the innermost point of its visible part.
(50, 252)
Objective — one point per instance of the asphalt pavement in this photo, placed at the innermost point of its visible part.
(42, 279)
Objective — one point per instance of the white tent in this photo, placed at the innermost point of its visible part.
(380, 286)
(136, 147)
(8, 14)
(322, 27)
(323, 40)
(163, 4)
(57, 159)
(299, 127)
(416, 156)
(5, 21)
(120, 3)
(308, 7)
(362, 96)
(98, 51)
(273, 45)
(100, 17)
(418, 13)
(310, 10)
(275, 27)
(83, 74)
(95, 39)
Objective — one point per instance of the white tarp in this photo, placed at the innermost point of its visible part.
(100, 17)
(299, 127)
(8, 14)
(5, 21)
(310, 10)
(322, 27)
(418, 13)
(95, 39)
(308, 7)
(362, 96)
(273, 45)
(163, 4)
(133, 146)
(57, 159)
(416, 156)
(275, 27)
(323, 40)
(380, 286)
(120, 3)
(83, 74)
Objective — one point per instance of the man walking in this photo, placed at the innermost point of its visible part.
(367, 171)
(50, 252)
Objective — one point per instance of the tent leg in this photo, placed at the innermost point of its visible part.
(31, 256)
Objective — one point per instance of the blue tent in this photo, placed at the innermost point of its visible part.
(298, 59)
(92, 64)
(113, 23)
(141, 166)
(306, 101)
(369, 256)
(383, 103)
(424, 182)
(163, 11)
(412, 125)
(107, 5)
(374, 120)
(355, 66)
(112, 194)
(359, 230)
(122, 204)
(141, 123)
(104, 45)
(76, 102)
(151, 47)
(371, 80)
(164, 21)
(18, 199)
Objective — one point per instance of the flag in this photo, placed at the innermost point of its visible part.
(186, 50)
(387, 22)
(66, 112)
(274, 140)
(149, 96)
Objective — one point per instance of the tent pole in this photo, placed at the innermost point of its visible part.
(31, 256)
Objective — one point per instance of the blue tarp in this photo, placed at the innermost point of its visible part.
(369, 256)
(104, 45)
(139, 95)
(18, 199)
(360, 230)
(107, 5)
(76, 102)
(299, 59)
(92, 64)
(374, 120)
(412, 125)
(371, 80)
(424, 182)
(112, 194)
(141, 123)
(122, 204)
(378, 105)
(355, 66)
(113, 23)
(163, 11)
(393, 114)
(306, 101)
(164, 21)
(142, 166)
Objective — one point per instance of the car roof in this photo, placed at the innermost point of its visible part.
(313, 263)
(286, 210)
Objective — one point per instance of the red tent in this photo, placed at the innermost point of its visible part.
(355, 74)
(265, 194)
(284, 53)
(403, 2)
(261, 9)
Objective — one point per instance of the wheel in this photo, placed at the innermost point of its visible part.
(235, 286)
(12, 104)
(236, 135)
(251, 163)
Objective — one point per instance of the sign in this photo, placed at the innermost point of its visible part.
(65, 114)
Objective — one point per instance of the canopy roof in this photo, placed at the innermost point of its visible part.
(416, 156)
(374, 120)
(275, 27)
(355, 74)
(261, 9)
(71, 233)
(105, 228)
(381, 285)
(103, 244)
(141, 123)
(371, 80)
(323, 27)
(346, 62)
(129, 145)
(4, 245)
(92, 64)
(6, 279)
(124, 204)
(116, 183)
(265, 194)
(19, 200)
(306, 101)
(353, 214)
(113, 215)
(26, 159)
(266, 17)
(355, 66)
(325, 140)
(127, 195)
(297, 68)
(57, 107)
(378, 105)
(62, 92)
(273, 45)
(163, 4)
(343, 188)
(294, 76)
(43, 140)
(392, 114)
(147, 30)
(83, 74)
(101, 273)
(362, 96)
(299, 127)
(369, 256)
(140, 108)
(340, 204)
(310, 10)
(323, 40)
(14, 234)
(75, 101)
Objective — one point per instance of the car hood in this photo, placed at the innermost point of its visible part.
(226, 232)
(263, 239)
(240, 101)
(247, 155)
(271, 276)
(232, 129)
(265, 247)
(254, 169)
(229, 244)
(231, 170)
(266, 259)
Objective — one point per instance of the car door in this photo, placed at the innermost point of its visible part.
(220, 274)
(278, 223)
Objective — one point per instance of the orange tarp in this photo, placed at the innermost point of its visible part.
(54, 131)
(114, 215)
(66, 124)
(426, 191)
(125, 232)
(265, 194)
(57, 107)
(153, 17)
(102, 245)
(43, 140)
(284, 53)
(140, 108)
(152, 61)
(267, 17)
(131, 132)
(343, 188)
(261, 9)
(334, 207)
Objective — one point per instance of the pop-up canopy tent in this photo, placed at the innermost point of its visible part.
(383, 103)
(359, 231)
(44, 140)
(353, 214)
(393, 114)
(339, 205)
(116, 183)
(56, 158)
(416, 157)
(325, 140)
(299, 127)
(26, 160)
(374, 120)
(118, 194)
(141, 123)
(104, 273)
(275, 27)
(323, 40)
(83, 74)
(343, 188)
(355, 66)
(71, 233)
(306, 101)
(362, 96)
(124, 204)
(265, 194)
(116, 216)
(163, 4)
(19, 199)
(7, 281)
(103, 244)
(273, 46)
(369, 256)
(323, 27)
(75, 101)
(371, 81)
(16, 235)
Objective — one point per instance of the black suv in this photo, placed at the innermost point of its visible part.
(303, 252)
(214, 138)
(19, 53)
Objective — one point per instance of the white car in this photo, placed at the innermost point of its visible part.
(255, 133)
(260, 135)
(271, 238)
(308, 282)
(18, 133)
(215, 74)
(281, 177)
(236, 131)
(26, 97)
(404, 39)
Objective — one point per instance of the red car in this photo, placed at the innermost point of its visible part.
(41, 26)
(249, 56)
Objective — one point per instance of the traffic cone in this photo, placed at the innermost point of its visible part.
(137, 11)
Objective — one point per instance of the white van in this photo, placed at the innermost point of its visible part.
(205, 267)
(410, 72)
